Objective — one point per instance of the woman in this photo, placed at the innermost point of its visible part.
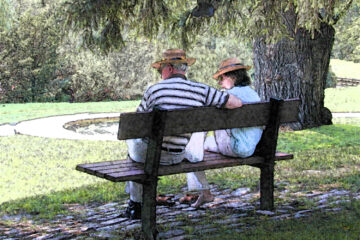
(237, 142)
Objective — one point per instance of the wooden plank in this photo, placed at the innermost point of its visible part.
(267, 146)
(138, 125)
(131, 171)
(151, 167)
(126, 165)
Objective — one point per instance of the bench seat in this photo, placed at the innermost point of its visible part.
(127, 170)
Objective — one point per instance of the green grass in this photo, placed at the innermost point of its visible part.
(345, 69)
(320, 226)
(34, 167)
(343, 99)
(12, 113)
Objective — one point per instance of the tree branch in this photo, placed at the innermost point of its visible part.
(342, 12)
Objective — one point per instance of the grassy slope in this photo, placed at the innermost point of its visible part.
(343, 99)
(345, 69)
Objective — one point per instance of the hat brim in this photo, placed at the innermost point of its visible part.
(229, 69)
(189, 61)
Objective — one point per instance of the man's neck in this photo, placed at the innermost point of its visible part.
(177, 75)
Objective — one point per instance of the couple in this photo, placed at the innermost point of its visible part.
(176, 91)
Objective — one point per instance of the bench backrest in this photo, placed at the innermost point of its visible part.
(139, 125)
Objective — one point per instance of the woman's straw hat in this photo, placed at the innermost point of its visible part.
(228, 65)
(174, 56)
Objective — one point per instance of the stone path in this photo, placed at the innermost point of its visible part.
(232, 209)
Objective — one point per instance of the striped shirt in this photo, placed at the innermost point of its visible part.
(178, 92)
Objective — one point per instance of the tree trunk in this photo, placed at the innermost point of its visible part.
(296, 67)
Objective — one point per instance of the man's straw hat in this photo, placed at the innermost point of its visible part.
(228, 65)
(174, 56)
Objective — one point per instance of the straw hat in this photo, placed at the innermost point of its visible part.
(228, 65)
(174, 56)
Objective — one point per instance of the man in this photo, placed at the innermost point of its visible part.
(174, 92)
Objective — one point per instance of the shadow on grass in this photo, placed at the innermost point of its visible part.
(49, 205)
(330, 225)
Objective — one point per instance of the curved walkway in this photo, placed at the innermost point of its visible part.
(53, 127)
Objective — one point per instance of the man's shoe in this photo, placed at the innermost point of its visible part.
(133, 211)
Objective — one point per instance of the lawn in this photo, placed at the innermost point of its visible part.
(345, 69)
(12, 113)
(38, 175)
(343, 99)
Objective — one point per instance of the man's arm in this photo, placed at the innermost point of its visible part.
(233, 102)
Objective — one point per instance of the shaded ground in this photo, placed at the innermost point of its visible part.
(233, 209)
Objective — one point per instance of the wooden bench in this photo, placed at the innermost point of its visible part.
(159, 123)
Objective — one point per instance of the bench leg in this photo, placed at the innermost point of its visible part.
(267, 187)
(148, 211)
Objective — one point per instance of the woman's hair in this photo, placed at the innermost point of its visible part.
(241, 77)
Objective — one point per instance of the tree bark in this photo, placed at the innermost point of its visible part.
(296, 67)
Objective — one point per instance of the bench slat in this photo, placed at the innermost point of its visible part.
(127, 170)
(138, 125)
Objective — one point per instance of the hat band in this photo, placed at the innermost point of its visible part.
(231, 65)
(177, 58)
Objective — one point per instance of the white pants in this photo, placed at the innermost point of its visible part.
(220, 143)
(194, 152)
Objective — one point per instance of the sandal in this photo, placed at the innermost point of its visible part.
(189, 198)
(162, 200)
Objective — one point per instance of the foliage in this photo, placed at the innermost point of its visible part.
(107, 25)
(126, 73)
(6, 14)
(118, 75)
(347, 38)
(104, 24)
(331, 79)
(28, 56)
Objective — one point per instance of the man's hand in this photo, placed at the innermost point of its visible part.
(233, 102)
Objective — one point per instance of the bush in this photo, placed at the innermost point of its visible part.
(117, 76)
(125, 75)
(331, 79)
(28, 56)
